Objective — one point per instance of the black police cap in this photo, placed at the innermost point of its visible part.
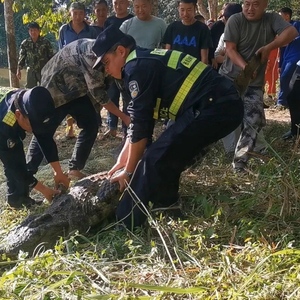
(38, 105)
(105, 41)
(231, 9)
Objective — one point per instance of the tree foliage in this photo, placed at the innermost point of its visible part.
(52, 14)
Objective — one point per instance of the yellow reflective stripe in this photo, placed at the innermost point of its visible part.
(156, 108)
(188, 61)
(10, 118)
(173, 59)
(184, 89)
(161, 52)
(131, 56)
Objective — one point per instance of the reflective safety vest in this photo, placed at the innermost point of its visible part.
(6, 115)
(190, 67)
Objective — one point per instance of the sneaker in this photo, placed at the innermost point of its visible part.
(288, 136)
(239, 167)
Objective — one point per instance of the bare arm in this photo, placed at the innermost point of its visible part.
(111, 107)
(204, 55)
(46, 191)
(234, 56)
(288, 35)
(59, 176)
(135, 153)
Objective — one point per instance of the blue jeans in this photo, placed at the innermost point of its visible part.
(114, 95)
(287, 70)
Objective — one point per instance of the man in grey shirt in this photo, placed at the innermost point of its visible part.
(146, 29)
(248, 33)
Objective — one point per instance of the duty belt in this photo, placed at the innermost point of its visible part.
(187, 61)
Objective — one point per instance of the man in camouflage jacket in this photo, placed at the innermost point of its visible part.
(34, 54)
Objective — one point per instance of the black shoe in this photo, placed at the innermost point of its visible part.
(23, 201)
(288, 136)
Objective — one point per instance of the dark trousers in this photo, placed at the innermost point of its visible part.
(83, 112)
(114, 95)
(33, 78)
(13, 159)
(293, 100)
(156, 178)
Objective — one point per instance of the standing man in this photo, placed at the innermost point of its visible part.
(77, 28)
(68, 33)
(100, 11)
(74, 87)
(147, 30)
(248, 33)
(21, 111)
(34, 54)
(289, 57)
(121, 15)
(164, 83)
(188, 35)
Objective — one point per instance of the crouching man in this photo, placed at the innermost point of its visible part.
(167, 84)
(22, 111)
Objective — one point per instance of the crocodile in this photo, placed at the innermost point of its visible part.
(90, 201)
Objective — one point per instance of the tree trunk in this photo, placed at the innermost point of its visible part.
(203, 10)
(11, 43)
(90, 201)
(213, 9)
(154, 7)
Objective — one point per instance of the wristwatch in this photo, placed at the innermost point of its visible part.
(129, 174)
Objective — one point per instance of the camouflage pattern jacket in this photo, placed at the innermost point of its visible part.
(69, 74)
(35, 55)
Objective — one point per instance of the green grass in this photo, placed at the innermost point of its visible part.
(237, 238)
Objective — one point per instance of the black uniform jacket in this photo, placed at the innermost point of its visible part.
(164, 84)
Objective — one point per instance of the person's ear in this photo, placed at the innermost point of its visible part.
(122, 50)
(18, 114)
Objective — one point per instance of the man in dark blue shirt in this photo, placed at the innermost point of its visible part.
(289, 57)
(164, 83)
(188, 35)
(121, 15)
(77, 28)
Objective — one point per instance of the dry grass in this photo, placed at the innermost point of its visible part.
(236, 238)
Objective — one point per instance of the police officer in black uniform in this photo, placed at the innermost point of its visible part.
(21, 111)
(164, 83)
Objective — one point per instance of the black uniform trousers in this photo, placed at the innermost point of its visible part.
(156, 178)
(83, 112)
(293, 100)
(15, 170)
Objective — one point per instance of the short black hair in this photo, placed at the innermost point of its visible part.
(287, 10)
(127, 42)
(199, 18)
(187, 1)
(33, 25)
(98, 2)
